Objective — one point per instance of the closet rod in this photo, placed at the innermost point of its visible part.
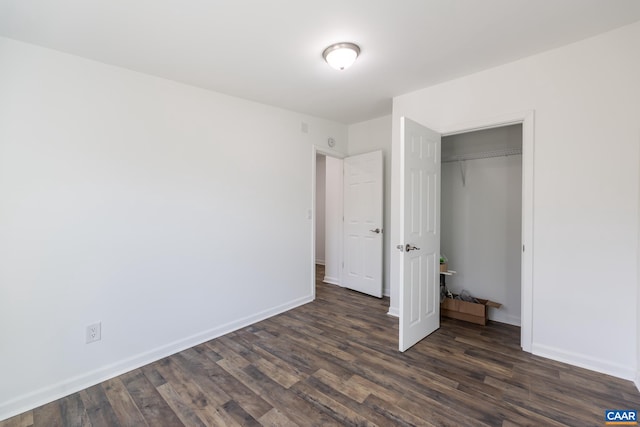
(482, 155)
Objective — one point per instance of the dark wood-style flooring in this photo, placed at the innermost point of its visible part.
(335, 362)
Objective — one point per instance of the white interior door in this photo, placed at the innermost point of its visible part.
(420, 230)
(363, 186)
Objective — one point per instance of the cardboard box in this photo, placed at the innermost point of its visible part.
(468, 311)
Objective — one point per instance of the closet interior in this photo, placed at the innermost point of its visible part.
(481, 216)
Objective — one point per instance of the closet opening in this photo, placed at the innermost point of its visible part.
(481, 216)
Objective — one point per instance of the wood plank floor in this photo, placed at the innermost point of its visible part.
(334, 362)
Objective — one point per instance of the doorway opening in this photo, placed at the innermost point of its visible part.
(415, 136)
(328, 218)
(347, 227)
(481, 217)
(527, 120)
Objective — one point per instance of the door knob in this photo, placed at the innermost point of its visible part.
(410, 247)
(376, 230)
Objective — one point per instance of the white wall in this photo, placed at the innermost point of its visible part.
(481, 231)
(169, 213)
(321, 165)
(637, 380)
(333, 221)
(370, 136)
(586, 98)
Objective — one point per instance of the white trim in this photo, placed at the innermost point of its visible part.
(400, 308)
(327, 152)
(583, 361)
(528, 156)
(69, 386)
(331, 280)
(312, 269)
(315, 150)
(490, 123)
(393, 311)
(637, 379)
(319, 262)
(508, 319)
(526, 118)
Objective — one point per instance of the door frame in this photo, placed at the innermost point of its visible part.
(525, 118)
(315, 150)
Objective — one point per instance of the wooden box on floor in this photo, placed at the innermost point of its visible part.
(467, 311)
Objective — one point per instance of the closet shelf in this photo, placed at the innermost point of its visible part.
(482, 155)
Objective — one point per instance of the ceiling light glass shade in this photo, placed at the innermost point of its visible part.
(341, 55)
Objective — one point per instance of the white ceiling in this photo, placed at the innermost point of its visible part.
(271, 51)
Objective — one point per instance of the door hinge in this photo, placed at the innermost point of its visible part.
(522, 248)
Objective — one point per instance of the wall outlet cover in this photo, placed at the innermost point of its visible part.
(94, 332)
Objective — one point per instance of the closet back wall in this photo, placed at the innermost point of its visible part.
(481, 218)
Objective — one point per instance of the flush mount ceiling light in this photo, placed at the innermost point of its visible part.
(341, 55)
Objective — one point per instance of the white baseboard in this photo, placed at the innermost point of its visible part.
(320, 262)
(393, 311)
(69, 386)
(331, 280)
(584, 361)
(497, 316)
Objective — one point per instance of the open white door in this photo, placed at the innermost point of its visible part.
(363, 186)
(420, 230)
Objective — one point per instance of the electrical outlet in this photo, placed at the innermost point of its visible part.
(94, 332)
